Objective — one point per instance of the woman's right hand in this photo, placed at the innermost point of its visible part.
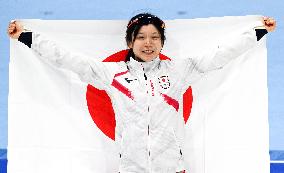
(15, 29)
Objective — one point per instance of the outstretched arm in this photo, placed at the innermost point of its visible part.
(227, 50)
(234, 47)
(88, 69)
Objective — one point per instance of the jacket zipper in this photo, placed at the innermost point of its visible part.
(148, 127)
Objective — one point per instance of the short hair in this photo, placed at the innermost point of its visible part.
(140, 20)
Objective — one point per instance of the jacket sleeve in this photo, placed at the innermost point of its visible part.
(88, 69)
(221, 54)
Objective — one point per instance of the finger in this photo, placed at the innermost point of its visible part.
(272, 21)
(12, 29)
(12, 26)
(10, 32)
(265, 18)
(12, 23)
(269, 19)
(267, 22)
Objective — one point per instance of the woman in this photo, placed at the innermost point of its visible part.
(146, 89)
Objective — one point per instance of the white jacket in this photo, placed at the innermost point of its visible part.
(146, 98)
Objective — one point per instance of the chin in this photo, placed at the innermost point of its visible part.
(149, 59)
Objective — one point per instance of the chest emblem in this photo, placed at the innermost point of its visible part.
(129, 80)
(164, 82)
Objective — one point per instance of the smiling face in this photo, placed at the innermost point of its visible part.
(147, 45)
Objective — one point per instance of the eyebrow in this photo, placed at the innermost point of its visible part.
(152, 33)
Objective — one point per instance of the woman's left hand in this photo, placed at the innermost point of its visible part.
(269, 24)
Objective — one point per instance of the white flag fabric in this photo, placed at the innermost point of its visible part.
(50, 128)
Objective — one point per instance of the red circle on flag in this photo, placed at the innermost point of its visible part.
(100, 106)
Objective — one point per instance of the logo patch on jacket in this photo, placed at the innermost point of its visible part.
(129, 80)
(164, 82)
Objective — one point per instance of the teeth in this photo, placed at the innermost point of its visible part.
(148, 51)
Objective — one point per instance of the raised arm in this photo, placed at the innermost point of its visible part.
(88, 69)
(227, 50)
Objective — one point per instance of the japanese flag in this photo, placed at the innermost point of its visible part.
(56, 123)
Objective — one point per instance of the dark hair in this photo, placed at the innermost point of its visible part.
(137, 22)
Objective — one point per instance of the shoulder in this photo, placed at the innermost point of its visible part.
(176, 63)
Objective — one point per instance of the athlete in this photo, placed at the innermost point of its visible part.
(146, 89)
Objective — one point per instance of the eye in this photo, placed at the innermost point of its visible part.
(140, 37)
(156, 37)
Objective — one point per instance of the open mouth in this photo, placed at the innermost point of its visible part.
(148, 51)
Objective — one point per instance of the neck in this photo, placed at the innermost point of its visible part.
(138, 59)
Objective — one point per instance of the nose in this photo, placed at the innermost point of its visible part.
(148, 41)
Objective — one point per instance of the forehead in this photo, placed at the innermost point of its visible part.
(148, 29)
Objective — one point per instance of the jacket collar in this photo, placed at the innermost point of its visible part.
(146, 67)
